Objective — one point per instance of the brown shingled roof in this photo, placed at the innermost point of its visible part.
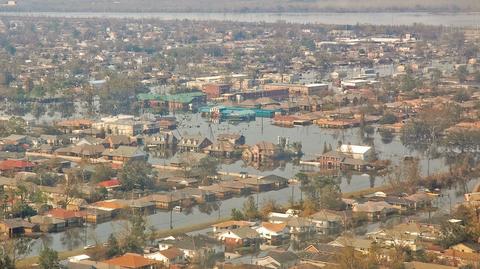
(171, 253)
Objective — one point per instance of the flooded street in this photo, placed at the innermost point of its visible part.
(312, 138)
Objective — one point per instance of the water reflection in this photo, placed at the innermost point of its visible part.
(72, 238)
(313, 139)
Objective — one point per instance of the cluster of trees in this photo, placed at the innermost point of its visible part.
(406, 176)
(454, 233)
(18, 248)
(320, 192)
(134, 237)
(388, 118)
(18, 203)
(378, 257)
(317, 192)
(250, 210)
(137, 174)
(119, 93)
(203, 168)
(428, 127)
(48, 259)
(464, 140)
(14, 125)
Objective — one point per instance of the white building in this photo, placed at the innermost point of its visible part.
(356, 152)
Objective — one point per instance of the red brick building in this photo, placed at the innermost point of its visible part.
(215, 90)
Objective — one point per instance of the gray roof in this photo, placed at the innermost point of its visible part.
(17, 223)
(41, 219)
(193, 242)
(245, 232)
(282, 256)
(298, 222)
(273, 179)
(330, 215)
(118, 139)
(124, 151)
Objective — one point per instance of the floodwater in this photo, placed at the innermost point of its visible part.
(312, 138)
(460, 19)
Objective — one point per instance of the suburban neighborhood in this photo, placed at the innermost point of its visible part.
(147, 143)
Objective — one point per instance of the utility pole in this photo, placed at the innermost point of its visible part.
(171, 211)
(258, 191)
(293, 195)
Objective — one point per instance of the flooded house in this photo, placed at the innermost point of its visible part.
(262, 151)
(161, 140)
(115, 141)
(221, 149)
(17, 227)
(195, 143)
(346, 157)
(124, 154)
(235, 139)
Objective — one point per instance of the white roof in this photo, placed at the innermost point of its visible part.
(79, 258)
(317, 85)
(354, 149)
(279, 215)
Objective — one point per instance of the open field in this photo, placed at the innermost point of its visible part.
(245, 5)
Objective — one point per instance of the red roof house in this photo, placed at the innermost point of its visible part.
(16, 165)
(110, 184)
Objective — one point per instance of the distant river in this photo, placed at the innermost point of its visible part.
(376, 18)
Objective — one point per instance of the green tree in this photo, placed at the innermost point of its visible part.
(462, 96)
(206, 167)
(269, 206)
(136, 174)
(426, 129)
(15, 249)
(48, 259)
(462, 73)
(324, 193)
(113, 248)
(463, 140)
(38, 110)
(119, 93)
(451, 234)
(308, 43)
(409, 82)
(15, 125)
(477, 76)
(136, 236)
(325, 148)
(406, 176)
(388, 118)
(237, 214)
(6, 262)
(102, 172)
(387, 136)
(435, 77)
(250, 209)
(22, 210)
(303, 179)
